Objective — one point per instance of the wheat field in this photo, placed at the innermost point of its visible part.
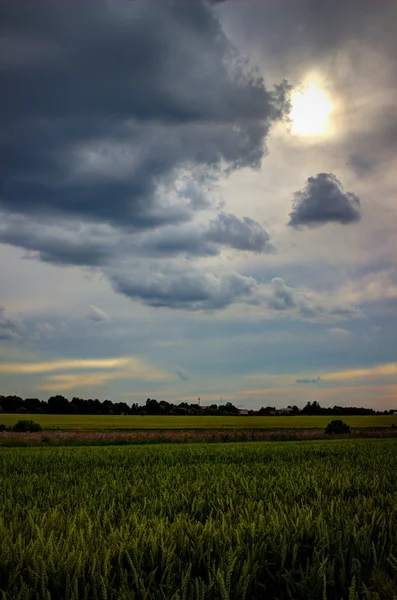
(120, 422)
(234, 521)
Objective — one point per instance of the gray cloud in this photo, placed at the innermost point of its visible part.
(42, 331)
(283, 297)
(10, 328)
(242, 234)
(324, 201)
(182, 374)
(302, 305)
(188, 289)
(370, 148)
(45, 329)
(124, 99)
(97, 315)
(225, 230)
(308, 381)
(59, 243)
(309, 31)
(104, 245)
(182, 286)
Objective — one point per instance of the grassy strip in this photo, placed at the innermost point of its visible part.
(11, 439)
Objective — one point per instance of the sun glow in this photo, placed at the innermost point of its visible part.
(310, 111)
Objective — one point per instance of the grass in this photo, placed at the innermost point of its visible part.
(120, 422)
(307, 520)
(12, 439)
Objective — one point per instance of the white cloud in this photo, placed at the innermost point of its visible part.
(337, 333)
(97, 315)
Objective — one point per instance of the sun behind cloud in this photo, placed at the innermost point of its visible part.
(311, 109)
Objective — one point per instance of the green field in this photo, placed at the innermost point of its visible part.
(307, 520)
(117, 422)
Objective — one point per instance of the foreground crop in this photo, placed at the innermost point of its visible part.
(299, 520)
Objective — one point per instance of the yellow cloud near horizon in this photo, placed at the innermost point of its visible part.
(64, 365)
(290, 379)
(386, 369)
(129, 367)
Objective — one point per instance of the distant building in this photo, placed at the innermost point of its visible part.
(242, 411)
(284, 411)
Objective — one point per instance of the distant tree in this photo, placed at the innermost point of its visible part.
(33, 405)
(121, 408)
(27, 426)
(95, 406)
(11, 403)
(58, 405)
(337, 427)
(266, 410)
(152, 407)
(312, 409)
(79, 406)
(107, 407)
(228, 409)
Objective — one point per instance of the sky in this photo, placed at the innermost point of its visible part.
(198, 200)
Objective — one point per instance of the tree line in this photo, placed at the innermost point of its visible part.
(60, 405)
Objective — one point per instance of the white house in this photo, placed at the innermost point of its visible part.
(242, 411)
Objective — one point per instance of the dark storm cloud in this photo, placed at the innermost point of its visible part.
(118, 120)
(324, 201)
(108, 104)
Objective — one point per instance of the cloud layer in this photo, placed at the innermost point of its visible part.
(134, 112)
